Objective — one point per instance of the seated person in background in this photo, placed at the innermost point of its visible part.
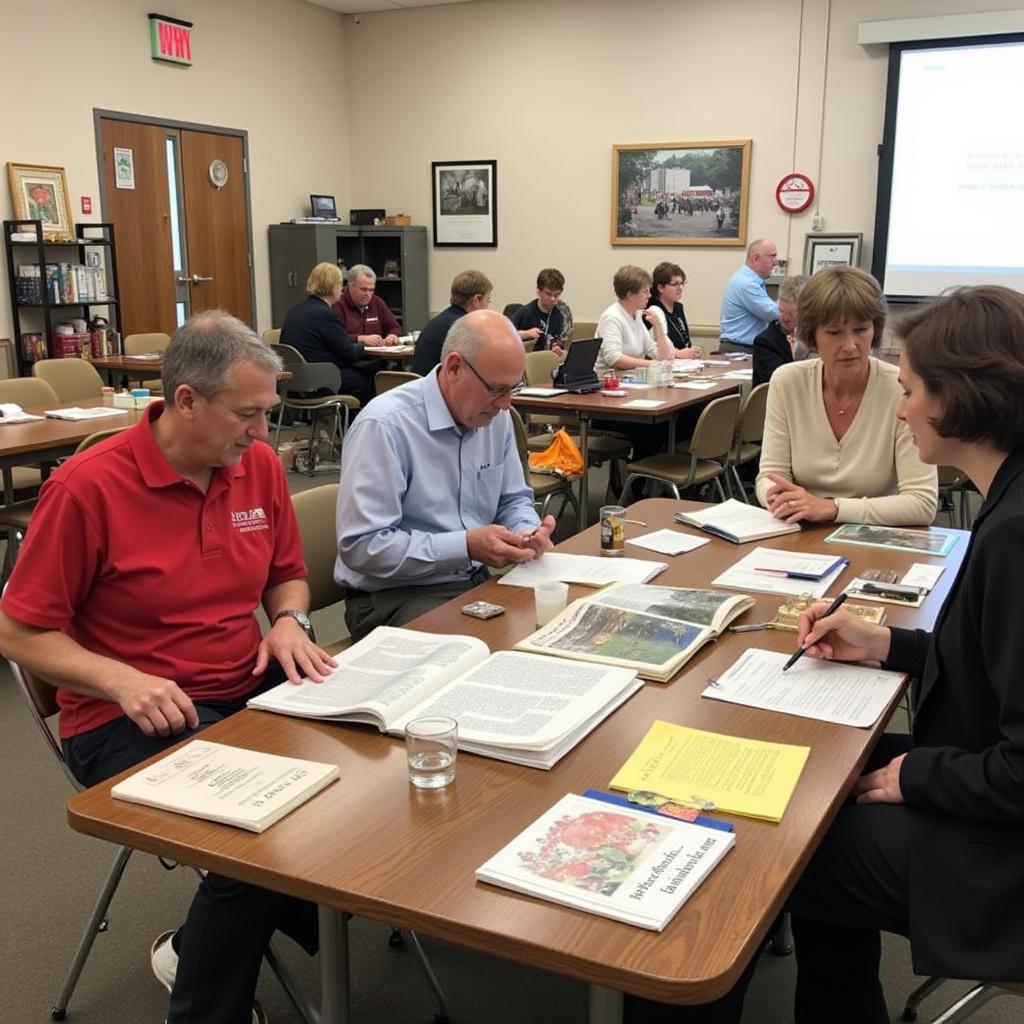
(367, 317)
(833, 450)
(627, 344)
(746, 308)
(432, 489)
(546, 320)
(666, 292)
(470, 291)
(776, 345)
(316, 330)
(150, 636)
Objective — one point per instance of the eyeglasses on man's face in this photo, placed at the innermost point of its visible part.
(494, 390)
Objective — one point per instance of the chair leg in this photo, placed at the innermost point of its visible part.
(97, 924)
(292, 989)
(441, 1015)
(717, 481)
(741, 491)
(967, 1005)
(625, 487)
(922, 992)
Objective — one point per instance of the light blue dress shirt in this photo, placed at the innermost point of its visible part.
(413, 483)
(746, 308)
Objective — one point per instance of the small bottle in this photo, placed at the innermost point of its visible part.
(108, 396)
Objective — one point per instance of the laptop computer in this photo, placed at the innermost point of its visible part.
(577, 372)
(322, 208)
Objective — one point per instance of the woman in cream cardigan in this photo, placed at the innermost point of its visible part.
(833, 450)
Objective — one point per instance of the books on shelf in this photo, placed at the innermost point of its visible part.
(514, 707)
(775, 571)
(588, 570)
(736, 521)
(734, 775)
(621, 863)
(245, 788)
(651, 630)
(829, 691)
(61, 283)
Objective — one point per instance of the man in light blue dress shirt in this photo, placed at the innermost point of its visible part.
(432, 488)
(746, 308)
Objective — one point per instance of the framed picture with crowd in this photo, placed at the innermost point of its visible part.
(680, 193)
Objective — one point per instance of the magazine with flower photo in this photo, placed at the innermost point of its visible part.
(625, 864)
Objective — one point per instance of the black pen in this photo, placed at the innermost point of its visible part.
(832, 609)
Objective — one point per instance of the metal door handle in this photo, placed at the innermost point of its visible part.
(194, 279)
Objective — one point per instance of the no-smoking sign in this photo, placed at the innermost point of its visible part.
(794, 193)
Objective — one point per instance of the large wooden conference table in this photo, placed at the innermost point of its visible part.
(372, 845)
(671, 401)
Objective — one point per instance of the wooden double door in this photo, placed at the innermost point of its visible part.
(179, 204)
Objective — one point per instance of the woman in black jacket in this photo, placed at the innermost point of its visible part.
(933, 845)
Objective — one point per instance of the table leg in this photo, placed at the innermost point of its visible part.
(335, 997)
(671, 435)
(584, 489)
(8, 486)
(605, 1005)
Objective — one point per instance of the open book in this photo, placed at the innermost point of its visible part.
(652, 630)
(510, 706)
(736, 521)
(246, 788)
(614, 861)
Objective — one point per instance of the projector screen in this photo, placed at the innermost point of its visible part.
(950, 208)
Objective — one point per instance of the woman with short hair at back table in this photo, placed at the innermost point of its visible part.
(931, 843)
(666, 305)
(833, 450)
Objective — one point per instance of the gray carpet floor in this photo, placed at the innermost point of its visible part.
(51, 877)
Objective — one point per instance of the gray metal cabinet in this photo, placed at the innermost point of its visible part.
(398, 255)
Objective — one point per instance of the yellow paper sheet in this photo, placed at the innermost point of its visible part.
(738, 775)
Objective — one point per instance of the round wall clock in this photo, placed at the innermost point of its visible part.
(218, 173)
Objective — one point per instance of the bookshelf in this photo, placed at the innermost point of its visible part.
(76, 280)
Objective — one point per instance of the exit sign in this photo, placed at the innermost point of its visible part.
(170, 39)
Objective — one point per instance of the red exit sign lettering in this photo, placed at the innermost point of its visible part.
(170, 39)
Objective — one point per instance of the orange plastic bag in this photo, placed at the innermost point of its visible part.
(561, 458)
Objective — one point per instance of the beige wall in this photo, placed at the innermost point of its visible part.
(274, 69)
(546, 87)
(542, 86)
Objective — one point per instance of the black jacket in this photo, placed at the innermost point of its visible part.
(431, 340)
(771, 350)
(964, 776)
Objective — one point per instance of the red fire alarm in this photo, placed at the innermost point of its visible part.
(86, 204)
(794, 193)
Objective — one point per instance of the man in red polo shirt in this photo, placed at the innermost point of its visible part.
(366, 316)
(135, 593)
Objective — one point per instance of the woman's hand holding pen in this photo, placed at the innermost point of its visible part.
(841, 636)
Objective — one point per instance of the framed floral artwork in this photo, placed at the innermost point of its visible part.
(41, 193)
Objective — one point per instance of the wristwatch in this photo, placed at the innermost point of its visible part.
(301, 618)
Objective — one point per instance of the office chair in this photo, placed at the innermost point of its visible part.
(29, 393)
(701, 460)
(314, 510)
(41, 700)
(71, 379)
(141, 344)
(749, 432)
(545, 487)
(385, 380)
(964, 1007)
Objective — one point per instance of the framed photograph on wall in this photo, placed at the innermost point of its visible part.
(41, 193)
(680, 193)
(465, 202)
(821, 251)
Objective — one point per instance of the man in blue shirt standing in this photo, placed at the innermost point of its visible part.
(432, 488)
(746, 308)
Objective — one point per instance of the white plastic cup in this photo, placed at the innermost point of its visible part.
(550, 597)
(431, 745)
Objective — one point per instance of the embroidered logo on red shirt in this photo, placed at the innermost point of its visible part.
(250, 520)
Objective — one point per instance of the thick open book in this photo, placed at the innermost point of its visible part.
(651, 630)
(736, 521)
(514, 707)
(620, 863)
(246, 788)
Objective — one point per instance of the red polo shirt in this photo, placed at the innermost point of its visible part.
(134, 562)
(376, 318)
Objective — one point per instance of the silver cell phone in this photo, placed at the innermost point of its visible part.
(482, 609)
